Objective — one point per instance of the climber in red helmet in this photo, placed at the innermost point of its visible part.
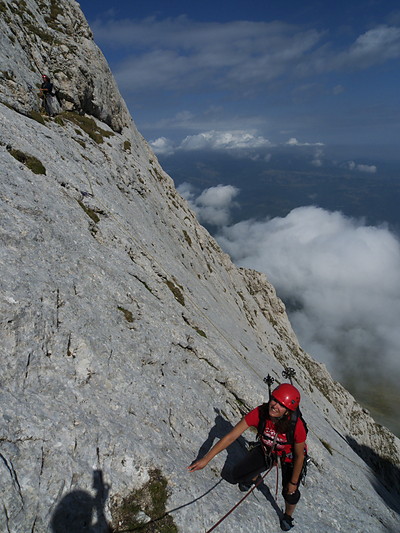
(281, 434)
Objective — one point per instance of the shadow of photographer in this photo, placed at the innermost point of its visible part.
(76, 510)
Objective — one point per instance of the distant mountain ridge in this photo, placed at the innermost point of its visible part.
(128, 338)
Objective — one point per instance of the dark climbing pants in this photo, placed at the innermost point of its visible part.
(254, 463)
(250, 466)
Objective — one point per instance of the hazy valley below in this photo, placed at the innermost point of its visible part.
(272, 189)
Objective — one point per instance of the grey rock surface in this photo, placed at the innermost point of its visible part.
(129, 340)
(53, 38)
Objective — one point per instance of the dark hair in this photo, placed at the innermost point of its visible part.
(282, 425)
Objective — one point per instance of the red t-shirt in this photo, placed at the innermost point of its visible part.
(269, 434)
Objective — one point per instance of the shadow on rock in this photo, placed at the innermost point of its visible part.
(269, 497)
(387, 475)
(235, 451)
(75, 512)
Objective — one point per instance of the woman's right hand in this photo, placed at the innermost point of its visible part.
(219, 446)
(198, 465)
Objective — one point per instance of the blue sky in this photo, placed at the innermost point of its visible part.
(258, 74)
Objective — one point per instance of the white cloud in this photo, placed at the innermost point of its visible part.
(186, 190)
(369, 169)
(372, 47)
(213, 206)
(342, 278)
(244, 142)
(224, 140)
(294, 142)
(318, 158)
(162, 146)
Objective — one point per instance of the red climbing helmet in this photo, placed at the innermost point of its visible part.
(287, 395)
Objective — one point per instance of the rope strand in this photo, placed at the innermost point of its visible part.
(258, 482)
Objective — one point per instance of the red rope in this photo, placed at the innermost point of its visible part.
(240, 501)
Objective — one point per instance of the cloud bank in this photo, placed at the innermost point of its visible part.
(339, 278)
(228, 141)
(213, 206)
(369, 169)
(163, 146)
(250, 144)
(224, 140)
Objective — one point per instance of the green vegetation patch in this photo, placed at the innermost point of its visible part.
(22, 5)
(151, 500)
(42, 34)
(176, 291)
(82, 143)
(35, 115)
(29, 161)
(90, 213)
(6, 74)
(200, 331)
(58, 120)
(55, 10)
(88, 125)
(187, 237)
(327, 446)
(127, 314)
(197, 330)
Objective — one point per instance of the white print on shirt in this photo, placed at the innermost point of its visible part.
(269, 436)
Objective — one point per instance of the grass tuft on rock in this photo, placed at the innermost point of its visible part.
(176, 291)
(88, 125)
(30, 161)
(144, 509)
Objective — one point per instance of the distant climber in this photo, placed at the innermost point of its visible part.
(277, 440)
(50, 102)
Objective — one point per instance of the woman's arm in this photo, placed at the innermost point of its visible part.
(298, 460)
(220, 445)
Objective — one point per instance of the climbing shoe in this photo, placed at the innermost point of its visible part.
(286, 522)
(244, 487)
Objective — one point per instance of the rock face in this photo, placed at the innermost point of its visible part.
(129, 341)
(53, 38)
